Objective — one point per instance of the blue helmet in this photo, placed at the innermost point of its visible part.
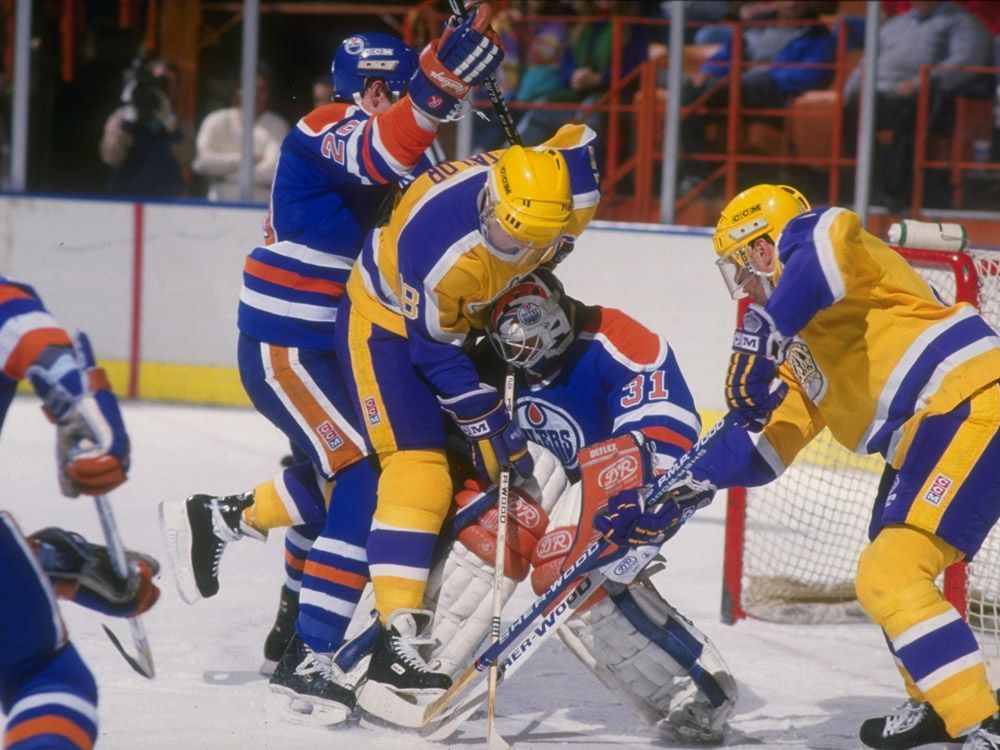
(371, 55)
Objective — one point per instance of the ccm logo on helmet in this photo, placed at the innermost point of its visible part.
(746, 212)
(618, 473)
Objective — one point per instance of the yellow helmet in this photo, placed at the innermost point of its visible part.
(757, 211)
(529, 199)
(760, 210)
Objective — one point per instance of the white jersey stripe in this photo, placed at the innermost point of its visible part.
(284, 308)
(341, 549)
(16, 327)
(312, 597)
(67, 700)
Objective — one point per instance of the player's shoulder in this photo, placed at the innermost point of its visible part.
(326, 116)
(622, 338)
(820, 224)
(571, 136)
(15, 290)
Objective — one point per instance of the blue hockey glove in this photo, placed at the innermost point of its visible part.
(495, 441)
(451, 66)
(92, 446)
(82, 572)
(627, 520)
(758, 349)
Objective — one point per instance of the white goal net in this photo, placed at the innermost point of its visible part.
(792, 546)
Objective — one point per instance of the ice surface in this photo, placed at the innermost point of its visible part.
(800, 686)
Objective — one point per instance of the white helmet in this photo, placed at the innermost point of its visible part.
(528, 324)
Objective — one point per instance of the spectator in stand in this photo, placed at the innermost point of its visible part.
(762, 85)
(141, 135)
(541, 75)
(322, 91)
(582, 73)
(931, 33)
(219, 146)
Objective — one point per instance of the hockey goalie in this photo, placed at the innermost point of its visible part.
(585, 372)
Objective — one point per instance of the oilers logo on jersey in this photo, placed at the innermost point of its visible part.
(551, 427)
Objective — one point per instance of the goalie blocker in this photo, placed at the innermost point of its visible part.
(631, 638)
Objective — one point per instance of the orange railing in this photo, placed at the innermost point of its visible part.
(956, 157)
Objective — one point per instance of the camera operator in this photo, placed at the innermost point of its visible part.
(140, 134)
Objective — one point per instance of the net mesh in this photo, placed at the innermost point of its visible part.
(804, 532)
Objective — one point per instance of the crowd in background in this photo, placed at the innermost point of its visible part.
(118, 133)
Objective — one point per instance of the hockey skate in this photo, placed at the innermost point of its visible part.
(398, 676)
(909, 725)
(314, 684)
(196, 532)
(282, 631)
(987, 737)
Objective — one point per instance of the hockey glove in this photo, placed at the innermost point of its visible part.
(627, 521)
(494, 442)
(758, 349)
(92, 446)
(82, 572)
(464, 56)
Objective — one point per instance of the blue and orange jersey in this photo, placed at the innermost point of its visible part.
(881, 351)
(617, 376)
(26, 329)
(336, 168)
(428, 276)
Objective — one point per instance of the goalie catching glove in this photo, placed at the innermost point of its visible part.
(92, 446)
(466, 54)
(758, 349)
(82, 572)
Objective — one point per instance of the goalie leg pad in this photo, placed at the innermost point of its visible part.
(526, 523)
(459, 592)
(460, 585)
(651, 680)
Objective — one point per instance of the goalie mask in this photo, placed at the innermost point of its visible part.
(529, 325)
(372, 55)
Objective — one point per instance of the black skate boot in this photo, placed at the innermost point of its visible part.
(398, 677)
(909, 725)
(196, 532)
(987, 737)
(282, 631)
(312, 681)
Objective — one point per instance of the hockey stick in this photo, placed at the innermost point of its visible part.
(142, 662)
(493, 91)
(562, 609)
(503, 508)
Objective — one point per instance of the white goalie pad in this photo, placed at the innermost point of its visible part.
(641, 672)
(459, 588)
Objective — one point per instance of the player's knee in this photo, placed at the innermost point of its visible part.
(896, 573)
(415, 490)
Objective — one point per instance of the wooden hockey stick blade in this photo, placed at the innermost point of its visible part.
(119, 562)
(143, 666)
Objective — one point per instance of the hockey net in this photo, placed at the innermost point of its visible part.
(793, 545)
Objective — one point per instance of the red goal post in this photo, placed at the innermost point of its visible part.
(791, 547)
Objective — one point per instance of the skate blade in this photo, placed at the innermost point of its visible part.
(309, 710)
(394, 708)
(267, 667)
(177, 539)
